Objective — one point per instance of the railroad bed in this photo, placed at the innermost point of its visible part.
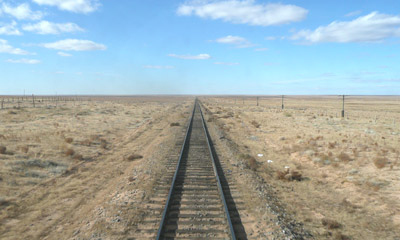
(196, 206)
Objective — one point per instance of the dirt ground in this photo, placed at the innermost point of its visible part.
(337, 177)
(82, 169)
(87, 169)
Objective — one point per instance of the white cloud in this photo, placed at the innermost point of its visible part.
(270, 38)
(202, 56)
(244, 12)
(6, 48)
(24, 61)
(157, 67)
(45, 27)
(373, 27)
(226, 63)
(354, 13)
(235, 40)
(77, 6)
(63, 54)
(261, 49)
(75, 45)
(21, 12)
(9, 29)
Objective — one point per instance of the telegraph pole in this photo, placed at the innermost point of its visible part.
(343, 108)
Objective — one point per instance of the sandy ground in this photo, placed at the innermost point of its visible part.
(338, 177)
(82, 170)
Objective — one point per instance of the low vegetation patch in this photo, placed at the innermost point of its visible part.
(3, 150)
(288, 175)
(330, 224)
(69, 140)
(175, 124)
(380, 162)
(255, 124)
(134, 156)
(250, 161)
(69, 152)
(344, 157)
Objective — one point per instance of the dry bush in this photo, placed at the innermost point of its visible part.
(250, 161)
(330, 224)
(11, 112)
(289, 175)
(131, 179)
(3, 150)
(281, 174)
(24, 149)
(78, 157)
(255, 124)
(103, 143)
(134, 156)
(340, 236)
(287, 114)
(69, 140)
(69, 152)
(86, 142)
(344, 157)
(380, 162)
(331, 145)
(175, 124)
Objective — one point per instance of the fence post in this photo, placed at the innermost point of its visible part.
(33, 100)
(283, 106)
(343, 108)
(2, 102)
(257, 101)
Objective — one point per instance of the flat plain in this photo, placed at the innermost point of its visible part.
(88, 169)
(338, 176)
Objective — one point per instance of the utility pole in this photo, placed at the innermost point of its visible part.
(283, 106)
(343, 108)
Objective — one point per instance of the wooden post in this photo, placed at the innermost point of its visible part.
(257, 101)
(2, 103)
(283, 106)
(33, 100)
(343, 108)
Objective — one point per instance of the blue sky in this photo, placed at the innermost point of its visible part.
(199, 47)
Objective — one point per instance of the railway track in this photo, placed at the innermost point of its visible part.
(193, 200)
(196, 205)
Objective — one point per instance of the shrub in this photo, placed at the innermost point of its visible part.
(330, 224)
(69, 152)
(250, 161)
(3, 150)
(380, 162)
(86, 142)
(175, 124)
(78, 157)
(344, 157)
(103, 144)
(69, 140)
(134, 156)
(24, 149)
(255, 124)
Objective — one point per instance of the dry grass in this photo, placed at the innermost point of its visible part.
(175, 124)
(69, 140)
(380, 162)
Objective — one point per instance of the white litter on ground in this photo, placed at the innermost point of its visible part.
(260, 154)
(287, 167)
(270, 161)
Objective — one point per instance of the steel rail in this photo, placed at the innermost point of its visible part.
(171, 190)
(226, 210)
